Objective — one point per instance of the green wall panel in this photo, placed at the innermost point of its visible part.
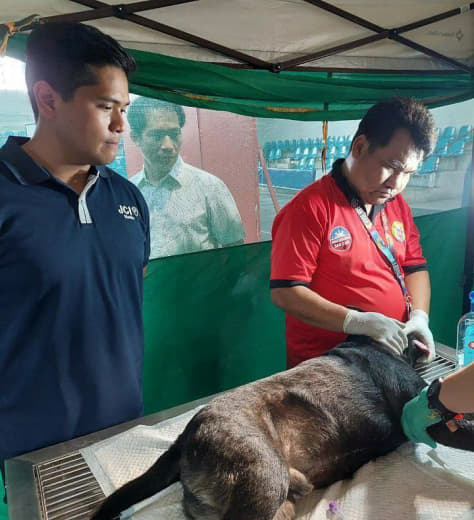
(3, 507)
(210, 324)
(443, 237)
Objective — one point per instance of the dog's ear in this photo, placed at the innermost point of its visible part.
(415, 350)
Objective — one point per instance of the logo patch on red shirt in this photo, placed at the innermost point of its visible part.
(340, 239)
(398, 231)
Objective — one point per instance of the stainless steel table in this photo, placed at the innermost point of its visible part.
(74, 491)
(24, 500)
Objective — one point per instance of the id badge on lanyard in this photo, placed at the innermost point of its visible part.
(386, 249)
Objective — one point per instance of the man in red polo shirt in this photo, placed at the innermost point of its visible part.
(347, 243)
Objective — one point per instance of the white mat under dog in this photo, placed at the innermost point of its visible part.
(412, 483)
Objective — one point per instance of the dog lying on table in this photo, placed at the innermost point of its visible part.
(251, 452)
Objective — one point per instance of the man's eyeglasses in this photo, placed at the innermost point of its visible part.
(159, 135)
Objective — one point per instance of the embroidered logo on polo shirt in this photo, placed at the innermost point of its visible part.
(340, 239)
(129, 212)
(398, 231)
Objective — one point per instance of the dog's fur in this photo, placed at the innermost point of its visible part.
(251, 452)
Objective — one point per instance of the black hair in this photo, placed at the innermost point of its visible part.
(137, 113)
(63, 54)
(386, 117)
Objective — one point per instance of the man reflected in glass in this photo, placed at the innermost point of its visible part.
(190, 209)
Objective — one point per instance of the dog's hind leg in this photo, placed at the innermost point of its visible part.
(299, 484)
(287, 511)
(260, 491)
(257, 500)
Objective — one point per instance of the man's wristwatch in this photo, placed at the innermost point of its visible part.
(432, 395)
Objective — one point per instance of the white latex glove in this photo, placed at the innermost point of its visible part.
(418, 325)
(387, 331)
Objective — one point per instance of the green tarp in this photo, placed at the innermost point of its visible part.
(306, 96)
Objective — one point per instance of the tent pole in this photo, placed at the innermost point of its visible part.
(268, 178)
(333, 50)
(121, 11)
(101, 10)
(393, 34)
(432, 53)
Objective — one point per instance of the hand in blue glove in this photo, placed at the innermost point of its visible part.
(417, 416)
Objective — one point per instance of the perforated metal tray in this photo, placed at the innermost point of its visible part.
(66, 488)
(442, 365)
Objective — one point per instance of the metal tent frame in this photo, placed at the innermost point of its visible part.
(98, 10)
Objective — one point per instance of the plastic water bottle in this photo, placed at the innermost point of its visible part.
(465, 337)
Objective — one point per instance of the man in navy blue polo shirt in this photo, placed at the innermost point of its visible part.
(74, 241)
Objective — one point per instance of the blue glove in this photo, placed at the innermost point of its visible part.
(417, 416)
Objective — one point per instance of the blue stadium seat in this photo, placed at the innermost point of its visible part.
(269, 150)
(465, 133)
(449, 133)
(441, 151)
(441, 146)
(310, 164)
(429, 165)
(342, 150)
(455, 149)
(298, 153)
(266, 147)
(331, 156)
(302, 163)
(298, 149)
(314, 151)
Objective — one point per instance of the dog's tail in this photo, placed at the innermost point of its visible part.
(163, 473)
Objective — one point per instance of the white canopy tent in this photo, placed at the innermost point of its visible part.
(425, 35)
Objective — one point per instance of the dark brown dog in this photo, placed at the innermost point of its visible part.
(251, 452)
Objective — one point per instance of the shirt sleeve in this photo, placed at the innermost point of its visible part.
(414, 259)
(297, 234)
(224, 218)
